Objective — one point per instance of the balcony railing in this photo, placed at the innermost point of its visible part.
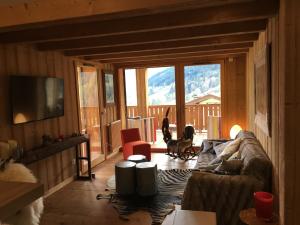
(195, 115)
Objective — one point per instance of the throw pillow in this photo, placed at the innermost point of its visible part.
(221, 147)
(236, 155)
(231, 148)
(231, 167)
(207, 146)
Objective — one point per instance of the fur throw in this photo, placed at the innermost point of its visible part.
(29, 215)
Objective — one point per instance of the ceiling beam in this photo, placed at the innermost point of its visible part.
(157, 36)
(159, 21)
(20, 12)
(170, 51)
(174, 56)
(172, 62)
(165, 45)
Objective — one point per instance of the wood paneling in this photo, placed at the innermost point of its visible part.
(233, 94)
(24, 60)
(282, 147)
(270, 144)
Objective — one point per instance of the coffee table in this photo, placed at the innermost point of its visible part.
(190, 217)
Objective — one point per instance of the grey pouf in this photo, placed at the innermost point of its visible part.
(125, 177)
(146, 177)
(137, 158)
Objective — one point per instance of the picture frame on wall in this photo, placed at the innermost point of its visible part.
(108, 87)
(263, 85)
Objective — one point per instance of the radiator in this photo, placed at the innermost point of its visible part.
(114, 136)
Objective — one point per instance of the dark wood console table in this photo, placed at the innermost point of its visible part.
(43, 152)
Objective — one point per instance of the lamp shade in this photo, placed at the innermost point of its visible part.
(235, 129)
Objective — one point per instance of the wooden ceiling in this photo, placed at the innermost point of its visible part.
(194, 31)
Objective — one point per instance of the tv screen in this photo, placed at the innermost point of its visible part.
(36, 98)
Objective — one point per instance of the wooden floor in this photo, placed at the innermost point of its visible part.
(76, 203)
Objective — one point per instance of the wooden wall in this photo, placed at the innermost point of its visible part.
(282, 147)
(233, 94)
(270, 144)
(24, 60)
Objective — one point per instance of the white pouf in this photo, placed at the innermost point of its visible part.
(137, 158)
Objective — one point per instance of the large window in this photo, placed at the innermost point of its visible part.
(130, 83)
(161, 86)
(202, 80)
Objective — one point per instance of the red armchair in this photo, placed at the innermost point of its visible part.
(132, 144)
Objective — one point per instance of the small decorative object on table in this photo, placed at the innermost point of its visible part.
(47, 139)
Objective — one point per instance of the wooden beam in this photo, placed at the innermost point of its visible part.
(194, 17)
(171, 62)
(158, 36)
(16, 12)
(174, 56)
(241, 38)
(170, 51)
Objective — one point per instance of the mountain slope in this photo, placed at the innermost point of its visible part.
(199, 81)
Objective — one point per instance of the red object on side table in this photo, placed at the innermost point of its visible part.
(264, 205)
(132, 144)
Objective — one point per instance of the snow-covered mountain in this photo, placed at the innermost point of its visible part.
(199, 81)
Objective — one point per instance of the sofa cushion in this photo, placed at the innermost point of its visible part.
(230, 167)
(207, 146)
(204, 159)
(219, 147)
(231, 148)
(236, 155)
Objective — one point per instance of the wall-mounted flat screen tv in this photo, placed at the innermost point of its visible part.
(36, 98)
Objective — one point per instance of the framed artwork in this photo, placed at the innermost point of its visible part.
(262, 83)
(108, 90)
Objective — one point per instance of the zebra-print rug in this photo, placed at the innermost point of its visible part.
(171, 184)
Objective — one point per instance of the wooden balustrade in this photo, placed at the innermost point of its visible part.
(195, 115)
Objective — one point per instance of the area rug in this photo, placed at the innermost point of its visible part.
(171, 184)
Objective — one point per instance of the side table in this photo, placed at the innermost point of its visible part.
(248, 216)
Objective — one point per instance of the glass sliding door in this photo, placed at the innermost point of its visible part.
(203, 100)
(90, 121)
(161, 96)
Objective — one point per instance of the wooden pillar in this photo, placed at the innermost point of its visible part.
(289, 120)
(141, 86)
(180, 98)
(121, 96)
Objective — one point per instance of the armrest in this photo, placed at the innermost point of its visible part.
(224, 194)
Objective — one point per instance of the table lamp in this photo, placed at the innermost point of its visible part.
(235, 129)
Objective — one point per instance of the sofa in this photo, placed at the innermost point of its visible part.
(227, 195)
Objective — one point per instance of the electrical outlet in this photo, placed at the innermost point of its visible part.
(73, 161)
